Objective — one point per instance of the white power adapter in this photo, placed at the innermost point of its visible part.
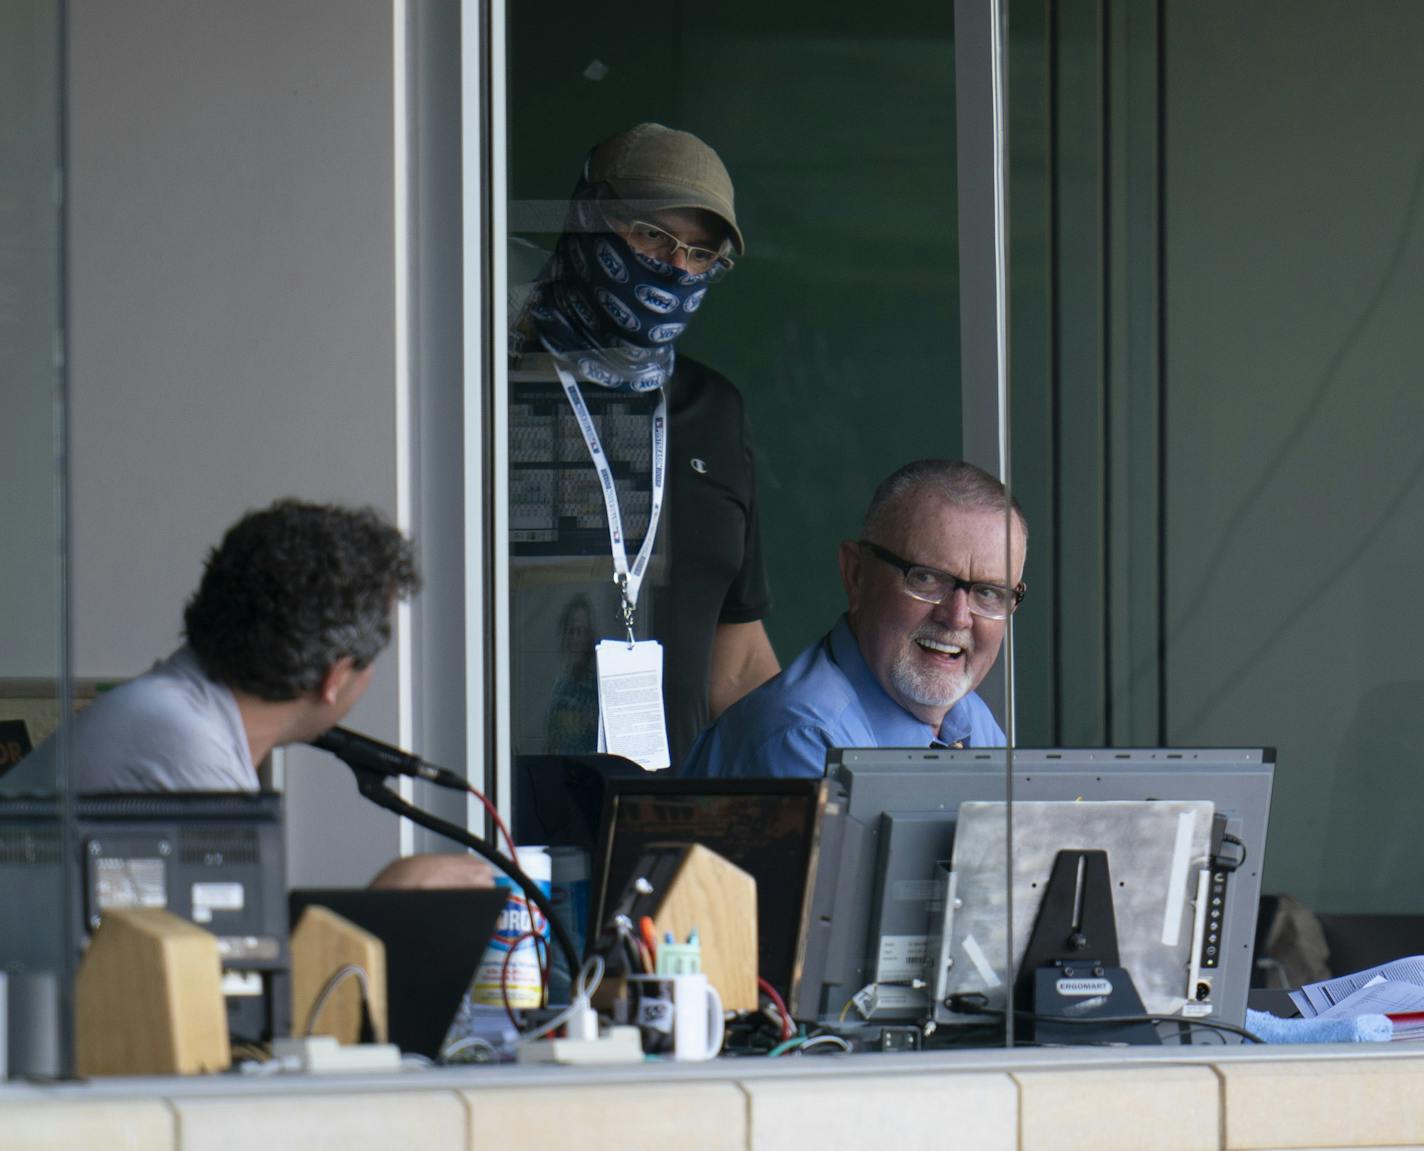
(582, 1022)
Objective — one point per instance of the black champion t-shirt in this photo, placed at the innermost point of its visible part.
(707, 564)
(716, 572)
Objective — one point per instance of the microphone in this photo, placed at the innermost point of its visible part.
(363, 753)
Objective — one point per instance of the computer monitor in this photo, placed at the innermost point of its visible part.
(767, 827)
(559, 799)
(217, 859)
(890, 823)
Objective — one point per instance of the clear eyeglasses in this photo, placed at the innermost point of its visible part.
(661, 244)
(986, 600)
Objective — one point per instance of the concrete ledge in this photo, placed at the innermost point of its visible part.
(139, 1125)
(1325, 1104)
(935, 1112)
(1281, 1099)
(634, 1117)
(1135, 1109)
(433, 1120)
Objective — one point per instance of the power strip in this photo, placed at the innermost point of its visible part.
(325, 1055)
(619, 1045)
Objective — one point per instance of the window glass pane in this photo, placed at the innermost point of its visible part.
(822, 355)
(1293, 352)
(1212, 434)
(30, 339)
(36, 922)
(838, 327)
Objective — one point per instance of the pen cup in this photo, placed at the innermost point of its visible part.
(678, 1015)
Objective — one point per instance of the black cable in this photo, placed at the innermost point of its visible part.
(373, 786)
(971, 1004)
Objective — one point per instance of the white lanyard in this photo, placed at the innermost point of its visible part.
(629, 580)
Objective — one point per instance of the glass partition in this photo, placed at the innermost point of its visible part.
(837, 328)
(1208, 338)
(1213, 437)
(806, 327)
(1292, 348)
(35, 928)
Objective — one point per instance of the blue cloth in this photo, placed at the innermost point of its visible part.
(611, 313)
(1360, 1029)
(828, 697)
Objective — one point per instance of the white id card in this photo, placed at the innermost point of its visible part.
(630, 702)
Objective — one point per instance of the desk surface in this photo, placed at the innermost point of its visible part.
(479, 1077)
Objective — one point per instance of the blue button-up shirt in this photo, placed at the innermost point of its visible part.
(828, 697)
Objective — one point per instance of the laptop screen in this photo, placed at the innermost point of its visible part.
(766, 827)
(434, 940)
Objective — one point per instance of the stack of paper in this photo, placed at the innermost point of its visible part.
(1395, 989)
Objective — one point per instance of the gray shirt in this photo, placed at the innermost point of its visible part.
(171, 729)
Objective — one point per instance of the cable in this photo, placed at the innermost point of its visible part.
(494, 814)
(587, 987)
(849, 1003)
(771, 993)
(373, 786)
(263, 1066)
(818, 1040)
(539, 962)
(583, 992)
(787, 1045)
(800, 1044)
(972, 1004)
(467, 1042)
(341, 973)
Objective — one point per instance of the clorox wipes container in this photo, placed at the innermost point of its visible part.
(511, 970)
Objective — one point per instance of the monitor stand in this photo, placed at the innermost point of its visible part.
(1070, 969)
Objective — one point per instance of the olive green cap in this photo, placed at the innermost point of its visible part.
(658, 168)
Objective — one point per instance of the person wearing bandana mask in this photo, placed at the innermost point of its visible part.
(650, 235)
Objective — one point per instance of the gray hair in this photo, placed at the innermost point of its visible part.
(958, 482)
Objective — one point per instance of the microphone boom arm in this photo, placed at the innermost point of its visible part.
(372, 785)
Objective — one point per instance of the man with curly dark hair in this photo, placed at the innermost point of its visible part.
(294, 606)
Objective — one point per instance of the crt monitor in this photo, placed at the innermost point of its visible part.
(767, 827)
(890, 823)
(217, 859)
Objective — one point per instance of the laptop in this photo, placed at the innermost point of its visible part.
(434, 940)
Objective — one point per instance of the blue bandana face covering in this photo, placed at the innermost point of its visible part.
(610, 313)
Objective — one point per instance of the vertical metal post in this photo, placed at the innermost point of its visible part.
(483, 293)
(980, 64)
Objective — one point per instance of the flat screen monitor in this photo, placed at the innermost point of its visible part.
(558, 799)
(767, 827)
(889, 831)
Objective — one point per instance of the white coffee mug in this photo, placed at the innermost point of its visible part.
(679, 1015)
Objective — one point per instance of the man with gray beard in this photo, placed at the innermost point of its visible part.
(930, 586)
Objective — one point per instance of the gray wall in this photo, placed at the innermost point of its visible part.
(232, 288)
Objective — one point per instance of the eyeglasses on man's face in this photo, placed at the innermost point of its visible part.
(651, 240)
(986, 600)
